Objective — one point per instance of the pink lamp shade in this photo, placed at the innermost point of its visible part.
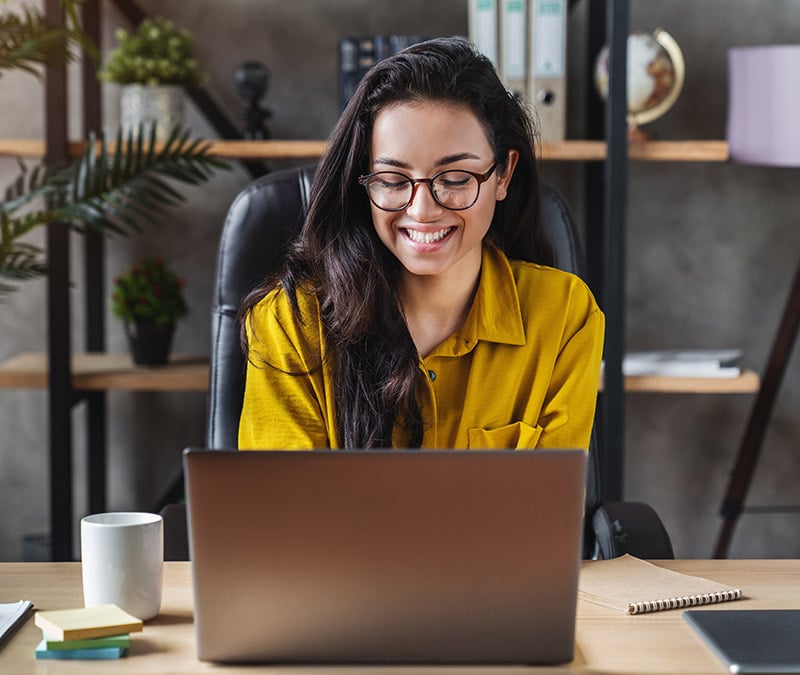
(764, 105)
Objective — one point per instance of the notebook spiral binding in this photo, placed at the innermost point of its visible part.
(685, 601)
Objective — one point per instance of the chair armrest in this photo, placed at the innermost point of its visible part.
(630, 527)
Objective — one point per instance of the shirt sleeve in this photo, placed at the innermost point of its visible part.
(567, 415)
(285, 402)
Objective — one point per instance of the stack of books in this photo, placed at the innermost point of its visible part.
(684, 363)
(358, 54)
(86, 633)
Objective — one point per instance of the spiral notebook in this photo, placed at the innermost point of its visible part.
(636, 586)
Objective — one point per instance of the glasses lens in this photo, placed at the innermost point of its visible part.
(456, 189)
(389, 190)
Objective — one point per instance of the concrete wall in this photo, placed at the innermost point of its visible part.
(711, 250)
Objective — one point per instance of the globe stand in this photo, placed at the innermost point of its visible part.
(636, 136)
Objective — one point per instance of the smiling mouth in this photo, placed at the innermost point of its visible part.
(428, 237)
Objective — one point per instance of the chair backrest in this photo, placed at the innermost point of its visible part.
(260, 223)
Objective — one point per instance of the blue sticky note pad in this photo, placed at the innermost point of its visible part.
(100, 653)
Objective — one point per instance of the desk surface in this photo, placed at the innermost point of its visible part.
(606, 641)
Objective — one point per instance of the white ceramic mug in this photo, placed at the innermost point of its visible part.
(122, 555)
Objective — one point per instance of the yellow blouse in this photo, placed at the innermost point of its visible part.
(522, 372)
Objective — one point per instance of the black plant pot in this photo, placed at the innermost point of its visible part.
(149, 343)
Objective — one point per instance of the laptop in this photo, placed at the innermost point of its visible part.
(390, 557)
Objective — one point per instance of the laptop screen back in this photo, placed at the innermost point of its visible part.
(385, 557)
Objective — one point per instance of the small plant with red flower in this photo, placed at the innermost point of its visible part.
(149, 291)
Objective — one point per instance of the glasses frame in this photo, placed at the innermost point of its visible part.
(415, 183)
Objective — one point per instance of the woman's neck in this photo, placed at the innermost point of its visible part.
(435, 307)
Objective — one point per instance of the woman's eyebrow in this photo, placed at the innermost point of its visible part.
(447, 159)
(389, 161)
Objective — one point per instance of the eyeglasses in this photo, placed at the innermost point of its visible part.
(453, 189)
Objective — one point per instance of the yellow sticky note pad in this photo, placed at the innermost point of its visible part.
(86, 622)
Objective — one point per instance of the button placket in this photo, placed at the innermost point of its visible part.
(431, 387)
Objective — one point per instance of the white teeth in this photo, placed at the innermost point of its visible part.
(427, 237)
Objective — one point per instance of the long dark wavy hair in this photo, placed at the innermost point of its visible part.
(339, 257)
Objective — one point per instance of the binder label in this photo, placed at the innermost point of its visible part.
(550, 45)
(514, 39)
(483, 27)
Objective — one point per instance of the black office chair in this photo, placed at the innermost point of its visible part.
(261, 221)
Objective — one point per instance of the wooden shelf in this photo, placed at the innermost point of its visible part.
(99, 372)
(568, 151)
(34, 148)
(680, 151)
(268, 149)
(650, 151)
(747, 383)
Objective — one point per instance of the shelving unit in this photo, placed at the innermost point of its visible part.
(109, 371)
(605, 153)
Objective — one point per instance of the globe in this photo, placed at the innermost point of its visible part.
(655, 75)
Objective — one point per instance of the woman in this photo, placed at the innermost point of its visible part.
(407, 315)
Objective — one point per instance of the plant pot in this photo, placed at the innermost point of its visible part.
(161, 105)
(149, 343)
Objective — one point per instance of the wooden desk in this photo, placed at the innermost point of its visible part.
(607, 641)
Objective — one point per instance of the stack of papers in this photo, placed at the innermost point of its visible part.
(85, 633)
(684, 363)
(11, 615)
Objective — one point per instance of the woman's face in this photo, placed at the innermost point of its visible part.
(421, 139)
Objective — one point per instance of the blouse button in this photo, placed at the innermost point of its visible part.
(432, 375)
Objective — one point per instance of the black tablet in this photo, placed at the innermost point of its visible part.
(751, 640)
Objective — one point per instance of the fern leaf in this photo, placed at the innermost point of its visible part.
(27, 41)
(18, 260)
(111, 192)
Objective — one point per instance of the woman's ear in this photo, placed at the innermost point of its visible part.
(503, 179)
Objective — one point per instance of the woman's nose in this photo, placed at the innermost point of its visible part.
(423, 206)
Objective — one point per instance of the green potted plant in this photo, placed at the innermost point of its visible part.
(153, 65)
(148, 297)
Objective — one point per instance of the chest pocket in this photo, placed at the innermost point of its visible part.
(516, 436)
